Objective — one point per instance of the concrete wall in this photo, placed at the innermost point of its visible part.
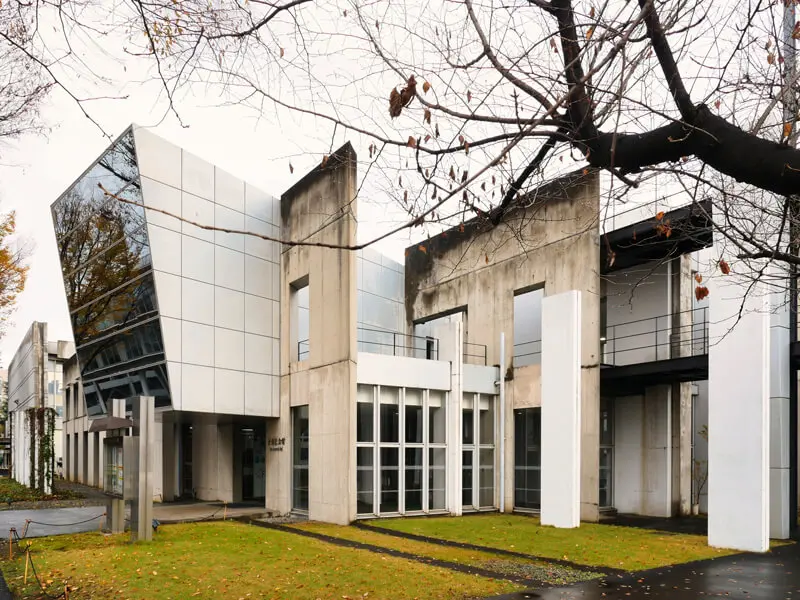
(552, 243)
(320, 208)
(218, 293)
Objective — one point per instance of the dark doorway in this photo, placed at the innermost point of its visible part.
(187, 487)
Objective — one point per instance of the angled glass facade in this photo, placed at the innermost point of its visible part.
(108, 278)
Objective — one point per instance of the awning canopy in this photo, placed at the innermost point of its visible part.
(108, 423)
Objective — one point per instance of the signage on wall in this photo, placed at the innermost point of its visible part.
(276, 444)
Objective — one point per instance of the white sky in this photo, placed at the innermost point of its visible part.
(34, 171)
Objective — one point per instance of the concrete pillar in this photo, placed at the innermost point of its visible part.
(81, 476)
(168, 461)
(158, 460)
(225, 462)
(561, 410)
(451, 344)
(779, 445)
(657, 452)
(738, 414)
(91, 461)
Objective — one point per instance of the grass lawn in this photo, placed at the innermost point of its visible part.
(11, 491)
(591, 544)
(536, 570)
(233, 560)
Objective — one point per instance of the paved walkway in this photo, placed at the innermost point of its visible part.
(56, 521)
(771, 576)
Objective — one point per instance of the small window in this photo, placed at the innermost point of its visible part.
(528, 327)
(300, 319)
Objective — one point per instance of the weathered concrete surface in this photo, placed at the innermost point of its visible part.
(320, 208)
(770, 576)
(549, 240)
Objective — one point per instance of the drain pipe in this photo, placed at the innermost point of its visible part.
(502, 383)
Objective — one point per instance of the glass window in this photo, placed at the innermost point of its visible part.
(390, 480)
(486, 420)
(437, 424)
(437, 480)
(365, 481)
(468, 427)
(365, 422)
(413, 424)
(527, 458)
(413, 479)
(486, 477)
(466, 478)
(606, 475)
(390, 423)
(300, 445)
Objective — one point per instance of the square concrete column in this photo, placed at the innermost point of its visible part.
(561, 409)
(779, 444)
(738, 415)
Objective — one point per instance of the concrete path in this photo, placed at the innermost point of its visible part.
(57, 521)
(51, 521)
(771, 576)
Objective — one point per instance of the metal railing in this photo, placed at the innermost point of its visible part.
(381, 341)
(392, 343)
(656, 338)
(475, 354)
(527, 353)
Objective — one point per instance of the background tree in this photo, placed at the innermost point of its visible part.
(13, 268)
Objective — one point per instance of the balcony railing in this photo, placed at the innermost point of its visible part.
(392, 343)
(656, 338)
(475, 354)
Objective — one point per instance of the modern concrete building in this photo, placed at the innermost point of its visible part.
(35, 383)
(519, 362)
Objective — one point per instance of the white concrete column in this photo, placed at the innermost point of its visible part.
(561, 409)
(91, 457)
(657, 452)
(779, 419)
(81, 472)
(738, 415)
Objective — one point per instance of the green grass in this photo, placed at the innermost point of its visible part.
(532, 569)
(591, 544)
(11, 491)
(233, 560)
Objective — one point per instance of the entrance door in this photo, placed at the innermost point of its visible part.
(187, 486)
(247, 463)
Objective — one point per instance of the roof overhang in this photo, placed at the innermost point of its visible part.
(109, 423)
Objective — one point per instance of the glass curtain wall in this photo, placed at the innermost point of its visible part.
(478, 431)
(104, 250)
(300, 441)
(606, 454)
(400, 450)
(528, 458)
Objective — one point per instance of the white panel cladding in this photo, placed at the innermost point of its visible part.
(198, 344)
(196, 388)
(561, 409)
(200, 211)
(228, 349)
(198, 301)
(229, 308)
(401, 371)
(200, 282)
(157, 158)
(258, 395)
(228, 391)
(175, 384)
(163, 197)
(171, 332)
(259, 277)
(227, 218)
(256, 246)
(197, 176)
(258, 354)
(198, 259)
(228, 190)
(258, 315)
(259, 204)
(165, 249)
(738, 415)
(480, 379)
(168, 292)
(228, 268)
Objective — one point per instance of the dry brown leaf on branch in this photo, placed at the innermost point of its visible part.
(698, 278)
(452, 173)
(412, 141)
(426, 86)
(397, 100)
(700, 292)
(724, 267)
(427, 116)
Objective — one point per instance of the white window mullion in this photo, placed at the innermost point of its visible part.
(401, 459)
(376, 455)
(425, 452)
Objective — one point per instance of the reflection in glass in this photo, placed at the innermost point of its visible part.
(390, 480)
(300, 442)
(105, 260)
(527, 458)
(365, 488)
(413, 479)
